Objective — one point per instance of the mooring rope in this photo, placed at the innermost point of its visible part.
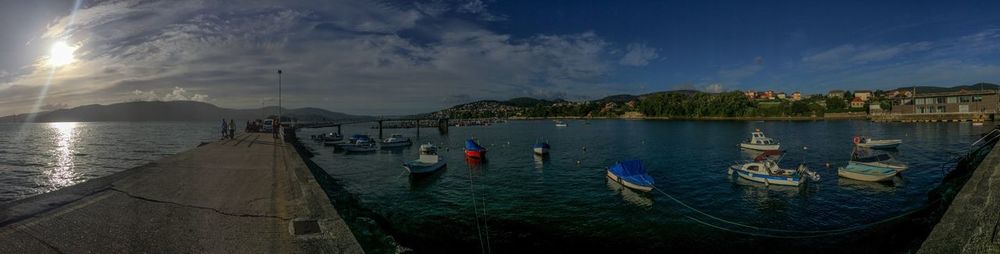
(475, 210)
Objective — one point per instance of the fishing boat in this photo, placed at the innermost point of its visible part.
(868, 142)
(541, 148)
(758, 141)
(862, 172)
(396, 140)
(362, 144)
(631, 174)
(561, 124)
(766, 170)
(428, 162)
(474, 150)
(880, 160)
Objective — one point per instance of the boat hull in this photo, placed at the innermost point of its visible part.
(396, 144)
(767, 179)
(868, 174)
(760, 147)
(415, 167)
(541, 150)
(358, 149)
(881, 144)
(630, 185)
(475, 154)
(897, 167)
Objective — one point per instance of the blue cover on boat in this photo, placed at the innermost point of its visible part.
(473, 146)
(632, 171)
(541, 144)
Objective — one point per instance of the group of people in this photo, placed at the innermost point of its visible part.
(228, 130)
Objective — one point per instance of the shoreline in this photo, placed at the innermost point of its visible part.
(707, 118)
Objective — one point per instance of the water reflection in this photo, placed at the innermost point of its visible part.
(629, 195)
(63, 173)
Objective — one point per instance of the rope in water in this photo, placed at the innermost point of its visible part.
(808, 233)
(475, 210)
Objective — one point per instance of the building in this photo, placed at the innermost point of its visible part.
(863, 94)
(979, 101)
(835, 93)
(857, 102)
(796, 96)
(781, 95)
(750, 94)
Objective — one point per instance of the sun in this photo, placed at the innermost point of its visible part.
(61, 54)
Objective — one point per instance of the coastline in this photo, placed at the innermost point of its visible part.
(706, 118)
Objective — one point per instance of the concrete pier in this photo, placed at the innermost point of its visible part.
(972, 222)
(247, 195)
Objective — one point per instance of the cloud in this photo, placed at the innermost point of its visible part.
(178, 94)
(714, 88)
(638, 55)
(341, 55)
(849, 54)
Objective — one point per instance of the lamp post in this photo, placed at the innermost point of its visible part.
(279, 95)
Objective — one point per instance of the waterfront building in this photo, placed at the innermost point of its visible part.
(863, 94)
(857, 102)
(978, 101)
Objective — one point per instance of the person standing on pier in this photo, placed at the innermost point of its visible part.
(232, 129)
(223, 128)
(274, 130)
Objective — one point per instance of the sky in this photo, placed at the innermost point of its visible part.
(405, 57)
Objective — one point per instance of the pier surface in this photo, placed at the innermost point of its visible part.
(247, 195)
(972, 222)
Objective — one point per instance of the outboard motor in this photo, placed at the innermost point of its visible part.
(803, 170)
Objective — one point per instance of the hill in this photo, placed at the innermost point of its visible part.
(144, 111)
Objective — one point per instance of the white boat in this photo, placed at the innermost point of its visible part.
(758, 141)
(631, 174)
(879, 160)
(877, 143)
(767, 171)
(561, 124)
(867, 173)
(333, 136)
(396, 140)
(541, 148)
(428, 162)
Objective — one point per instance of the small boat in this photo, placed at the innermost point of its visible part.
(332, 137)
(474, 150)
(355, 137)
(631, 174)
(541, 148)
(396, 140)
(561, 124)
(862, 172)
(765, 170)
(362, 144)
(428, 162)
(876, 143)
(880, 160)
(758, 141)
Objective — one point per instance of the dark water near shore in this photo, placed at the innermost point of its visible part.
(564, 203)
(36, 158)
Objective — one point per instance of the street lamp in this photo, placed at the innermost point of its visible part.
(279, 95)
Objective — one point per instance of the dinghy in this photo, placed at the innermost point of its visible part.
(765, 170)
(561, 124)
(428, 162)
(862, 172)
(540, 148)
(876, 143)
(631, 174)
(362, 144)
(879, 160)
(758, 141)
(474, 150)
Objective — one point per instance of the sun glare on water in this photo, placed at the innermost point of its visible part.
(61, 54)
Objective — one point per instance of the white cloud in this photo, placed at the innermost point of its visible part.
(849, 54)
(714, 88)
(638, 55)
(178, 94)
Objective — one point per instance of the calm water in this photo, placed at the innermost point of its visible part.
(42, 157)
(564, 202)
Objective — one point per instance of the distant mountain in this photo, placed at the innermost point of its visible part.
(937, 89)
(143, 111)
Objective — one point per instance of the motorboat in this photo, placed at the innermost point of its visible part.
(561, 124)
(766, 170)
(362, 144)
(541, 148)
(758, 141)
(631, 174)
(333, 136)
(428, 162)
(474, 150)
(868, 142)
(396, 140)
(880, 160)
(354, 138)
(862, 172)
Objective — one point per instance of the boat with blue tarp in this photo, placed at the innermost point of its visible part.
(631, 174)
(541, 148)
(474, 150)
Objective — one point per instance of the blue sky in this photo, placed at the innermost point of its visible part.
(400, 57)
